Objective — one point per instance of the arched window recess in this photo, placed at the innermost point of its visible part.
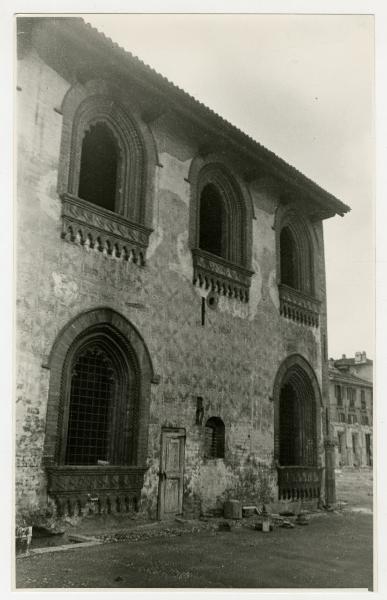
(214, 440)
(296, 257)
(220, 229)
(97, 414)
(106, 173)
(297, 430)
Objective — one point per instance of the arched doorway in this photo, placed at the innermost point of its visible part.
(297, 423)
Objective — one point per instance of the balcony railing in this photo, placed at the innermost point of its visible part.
(109, 489)
(299, 482)
(299, 307)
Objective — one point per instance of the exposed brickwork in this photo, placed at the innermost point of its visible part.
(231, 362)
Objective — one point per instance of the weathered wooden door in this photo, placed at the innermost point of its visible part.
(171, 473)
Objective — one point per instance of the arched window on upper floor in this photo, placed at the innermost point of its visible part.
(100, 158)
(220, 228)
(106, 172)
(289, 259)
(212, 222)
(296, 268)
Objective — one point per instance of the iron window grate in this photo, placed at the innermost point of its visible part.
(91, 400)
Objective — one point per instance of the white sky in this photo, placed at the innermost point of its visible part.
(302, 85)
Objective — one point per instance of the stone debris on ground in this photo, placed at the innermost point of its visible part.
(287, 524)
(181, 526)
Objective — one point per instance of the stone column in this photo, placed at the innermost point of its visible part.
(330, 482)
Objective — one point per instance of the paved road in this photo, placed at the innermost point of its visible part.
(334, 550)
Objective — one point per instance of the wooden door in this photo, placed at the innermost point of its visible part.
(171, 473)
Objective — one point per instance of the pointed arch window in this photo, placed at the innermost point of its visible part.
(106, 174)
(220, 230)
(97, 418)
(212, 232)
(289, 259)
(91, 403)
(296, 267)
(98, 173)
(100, 404)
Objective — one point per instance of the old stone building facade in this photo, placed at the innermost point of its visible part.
(171, 303)
(351, 402)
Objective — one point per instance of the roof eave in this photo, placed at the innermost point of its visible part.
(77, 31)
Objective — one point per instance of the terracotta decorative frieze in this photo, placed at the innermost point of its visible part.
(299, 482)
(221, 276)
(99, 229)
(107, 488)
(298, 306)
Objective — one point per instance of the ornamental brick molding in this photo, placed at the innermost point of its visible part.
(298, 306)
(298, 483)
(217, 274)
(107, 488)
(99, 229)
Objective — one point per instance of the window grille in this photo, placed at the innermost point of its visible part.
(91, 403)
(214, 438)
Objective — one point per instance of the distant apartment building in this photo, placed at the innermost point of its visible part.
(351, 398)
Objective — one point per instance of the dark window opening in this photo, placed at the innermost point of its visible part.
(214, 438)
(289, 418)
(211, 227)
(288, 259)
(297, 425)
(338, 395)
(342, 417)
(368, 449)
(91, 403)
(99, 165)
(341, 442)
(351, 393)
